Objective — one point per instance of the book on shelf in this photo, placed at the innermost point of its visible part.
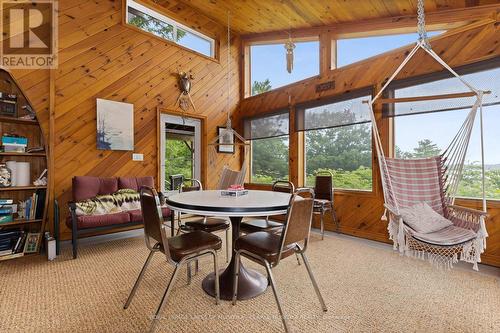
(35, 205)
(7, 210)
(12, 242)
(5, 218)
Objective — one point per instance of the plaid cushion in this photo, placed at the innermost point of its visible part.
(416, 181)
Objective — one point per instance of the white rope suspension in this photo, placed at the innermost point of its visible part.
(453, 161)
(217, 140)
(456, 152)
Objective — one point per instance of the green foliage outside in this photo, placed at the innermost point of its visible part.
(179, 159)
(156, 27)
(269, 159)
(261, 87)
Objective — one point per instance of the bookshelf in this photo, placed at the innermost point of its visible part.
(38, 160)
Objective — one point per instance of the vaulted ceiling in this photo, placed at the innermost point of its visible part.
(255, 16)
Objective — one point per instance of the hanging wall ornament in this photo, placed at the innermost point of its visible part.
(289, 46)
(184, 101)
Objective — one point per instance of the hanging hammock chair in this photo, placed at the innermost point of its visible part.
(433, 181)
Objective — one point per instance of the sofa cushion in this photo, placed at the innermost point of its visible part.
(86, 187)
(136, 215)
(135, 183)
(92, 221)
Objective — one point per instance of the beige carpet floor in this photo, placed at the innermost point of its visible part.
(367, 289)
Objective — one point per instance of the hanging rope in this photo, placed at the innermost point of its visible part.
(422, 32)
(396, 193)
(217, 141)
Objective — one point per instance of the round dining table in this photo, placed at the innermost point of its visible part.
(211, 203)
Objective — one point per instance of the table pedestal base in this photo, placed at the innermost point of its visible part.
(250, 283)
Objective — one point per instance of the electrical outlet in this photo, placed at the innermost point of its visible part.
(137, 157)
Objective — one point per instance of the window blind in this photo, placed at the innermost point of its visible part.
(343, 110)
(268, 126)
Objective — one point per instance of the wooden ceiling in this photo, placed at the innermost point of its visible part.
(256, 16)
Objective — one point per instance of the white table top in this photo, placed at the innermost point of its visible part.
(211, 203)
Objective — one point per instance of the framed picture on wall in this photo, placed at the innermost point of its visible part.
(115, 125)
(225, 136)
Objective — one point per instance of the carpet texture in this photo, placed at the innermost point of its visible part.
(366, 289)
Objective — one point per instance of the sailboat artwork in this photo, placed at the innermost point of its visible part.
(115, 125)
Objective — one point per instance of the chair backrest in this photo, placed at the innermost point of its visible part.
(195, 185)
(152, 217)
(323, 186)
(284, 186)
(176, 182)
(415, 181)
(298, 219)
(231, 177)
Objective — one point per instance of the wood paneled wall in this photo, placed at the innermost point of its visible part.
(99, 57)
(359, 212)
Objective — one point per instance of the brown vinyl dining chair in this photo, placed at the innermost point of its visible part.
(178, 250)
(323, 202)
(264, 224)
(204, 223)
(268, 249)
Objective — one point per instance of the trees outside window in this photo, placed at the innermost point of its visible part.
(156, 23)
(269, 159)
(344, 151)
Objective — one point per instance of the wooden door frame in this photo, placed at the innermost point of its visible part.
(204, 152)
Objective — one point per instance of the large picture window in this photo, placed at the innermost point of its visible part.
(269, 136)
(164, 27)
(426, 129)
(268, 65)
(338, 139)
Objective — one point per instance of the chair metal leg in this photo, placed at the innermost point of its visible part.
(196, 266)
(313, 280)
(164, 298)
(334, 217)
(138, 281)
(273, 285)
(298, 260)
(322, 224)
(216, 273)
(236, 274)
(189, 273)
(228, 254)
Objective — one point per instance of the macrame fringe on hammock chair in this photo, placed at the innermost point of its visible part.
(434, 181)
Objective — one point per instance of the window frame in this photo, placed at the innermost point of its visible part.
(247, 127)
(369, 90)
(247, 61)
(157, 13)
(426, 78)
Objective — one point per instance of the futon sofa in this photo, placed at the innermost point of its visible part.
(86, 189)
